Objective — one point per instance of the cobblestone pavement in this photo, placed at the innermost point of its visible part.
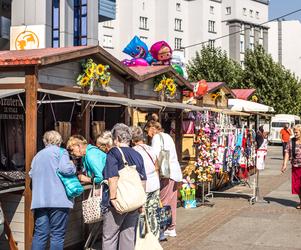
(235, 224)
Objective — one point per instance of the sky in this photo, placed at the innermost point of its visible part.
(281, 7)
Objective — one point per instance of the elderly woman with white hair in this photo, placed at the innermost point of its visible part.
(104, 141)
(119, 229)
(50, 204)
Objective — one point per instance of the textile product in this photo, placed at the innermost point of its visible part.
(285, 134)
(147, 241)
(261, 155)
(94, 162)
(47, 188)
(149, 159)
(296, 162)
(188, 127)
(296, 180)
(165, 217)
(91, 207)
(119, 230)
(51, 221)
(164, 160)
(151, 210)
(175, 169)
(168, 196)
(130, 192)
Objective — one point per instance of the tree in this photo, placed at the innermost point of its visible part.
(275, 86)
(213, 65)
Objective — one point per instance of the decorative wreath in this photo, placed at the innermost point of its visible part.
(94, 75)
(166, 86)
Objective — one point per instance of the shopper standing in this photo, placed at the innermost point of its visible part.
(293, 152)
(50, 204)
(285, 134)
(152, 182)
(168, 192)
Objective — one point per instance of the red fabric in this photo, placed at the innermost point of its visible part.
(285, 135)
(296, 180)
(168, 196)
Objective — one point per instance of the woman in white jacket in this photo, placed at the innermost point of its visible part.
(168, 182)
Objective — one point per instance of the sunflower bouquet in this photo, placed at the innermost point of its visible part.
(166, 86)
(93, 75)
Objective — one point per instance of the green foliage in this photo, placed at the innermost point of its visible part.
(275, 86)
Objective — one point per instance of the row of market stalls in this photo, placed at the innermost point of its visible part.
(39, 92)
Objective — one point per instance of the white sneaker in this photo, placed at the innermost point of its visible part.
(170, 233)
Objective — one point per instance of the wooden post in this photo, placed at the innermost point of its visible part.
(85, 120)
(178, 134)
(31, 83)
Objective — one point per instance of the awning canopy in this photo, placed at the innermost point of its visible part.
(104, 99)
(9, 92)
(176, 105)
(247, 106)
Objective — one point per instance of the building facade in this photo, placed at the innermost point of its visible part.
(284, 44)
(187, 25)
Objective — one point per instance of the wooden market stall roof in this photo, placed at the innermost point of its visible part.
(243, 94)
(51, 56)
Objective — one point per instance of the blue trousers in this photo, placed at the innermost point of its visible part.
(49, 222)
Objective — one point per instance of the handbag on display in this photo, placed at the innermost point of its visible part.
(163, 160)
(130, 192)
(91, 207)
(165, 216)
(145, 239)
(71, 183)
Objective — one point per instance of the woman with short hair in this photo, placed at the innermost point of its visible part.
(168, 192)
(293, 152)
(93, 159)
(50, 204)
(119, 229)
(152, 182)
(104, 141)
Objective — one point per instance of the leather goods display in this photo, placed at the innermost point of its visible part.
(130, 192)
(91, 207)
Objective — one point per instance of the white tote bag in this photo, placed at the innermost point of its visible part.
(130, 192)
(91, 207)
(147, 241)
(163, 160)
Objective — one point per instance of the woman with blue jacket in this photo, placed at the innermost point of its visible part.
(93, 159)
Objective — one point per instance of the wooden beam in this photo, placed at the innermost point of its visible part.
(85, 111)
(31, 83)
(178, 134)
(12, 86)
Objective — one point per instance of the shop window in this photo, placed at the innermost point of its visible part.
(80, 22)
(143, 23)
(56, 23)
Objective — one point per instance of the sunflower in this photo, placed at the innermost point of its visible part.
(100, 69)
(169, 81)
(163, 82)
(159, 87)
(213, 97)
(90, 71)
(84, 81)
(171, 87)
(254, 98)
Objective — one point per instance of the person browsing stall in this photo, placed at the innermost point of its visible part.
(93, 159)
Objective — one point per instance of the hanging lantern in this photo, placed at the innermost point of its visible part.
(200, 88)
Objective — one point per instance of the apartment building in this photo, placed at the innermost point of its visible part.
(30, 24)
(284, 44)
(188, 24)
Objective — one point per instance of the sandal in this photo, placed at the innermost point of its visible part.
(298, 207)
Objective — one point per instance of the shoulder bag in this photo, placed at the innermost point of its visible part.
(130, 191)
(163, 160)
(91, 207)
(71, 183)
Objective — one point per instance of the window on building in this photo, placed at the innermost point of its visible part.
(178, 43)
(261, 37)
(257, 14)
(242, 43)
(211, 10)
(242, 29)
(251, 13)
(251, 43)
(178, 6)
(228, 11)
(211, 26)
(244, 11)
(143, 23)
(178, 24)
(56, 23)
(211, 43)
(108, 24)
(80, 22)
(108, 41)
(143, 38)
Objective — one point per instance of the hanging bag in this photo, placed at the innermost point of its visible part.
(91, 207)
(130, 191)
(163, 160)
(71, 183)
(145, 239)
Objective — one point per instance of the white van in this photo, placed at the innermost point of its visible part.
(278, 122)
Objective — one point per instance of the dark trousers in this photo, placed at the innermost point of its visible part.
(283, 148)
(53, 222)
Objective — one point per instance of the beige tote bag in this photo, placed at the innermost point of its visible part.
(130, 191)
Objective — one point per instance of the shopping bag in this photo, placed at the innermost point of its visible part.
(165, 216)
(91, 207)
(145, 239)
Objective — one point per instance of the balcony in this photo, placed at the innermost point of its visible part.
(106, 10)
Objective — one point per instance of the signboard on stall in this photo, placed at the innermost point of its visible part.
(11, 109)
(27, 37)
